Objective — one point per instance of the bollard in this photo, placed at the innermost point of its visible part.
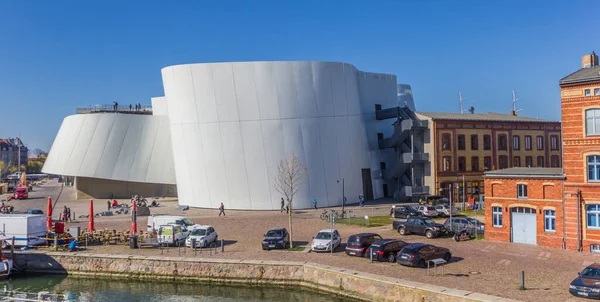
(371, 255)
(86, 240)
(222, 246)
(55, 242)
(522, 280)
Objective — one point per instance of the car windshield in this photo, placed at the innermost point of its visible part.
(590, 272)
(430, 208)
(323, 235)
(187, 222)
(198, 232)
(408, 251)
(21, 191)
(429, 221)
(473, 220)
(274, 233)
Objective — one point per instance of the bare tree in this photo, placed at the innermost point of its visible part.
(291, 174)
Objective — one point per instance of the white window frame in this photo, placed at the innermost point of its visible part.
(595, 212)
(516, 140)
(522, 191)
(591, 115)
(528, 142)
(497, 217)
(539, 140)
(596, 168)
(596, 91)
(554, 142)
(550, 221)
(587, 92)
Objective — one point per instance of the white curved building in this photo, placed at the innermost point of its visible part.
(229, 126)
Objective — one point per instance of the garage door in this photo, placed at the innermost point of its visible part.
(523, 225)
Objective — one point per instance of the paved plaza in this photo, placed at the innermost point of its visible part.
(478, 265)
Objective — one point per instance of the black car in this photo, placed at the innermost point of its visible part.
(418, 254)
(277, 238)
(587, 285)
(403, 212)
(385, 250)
(359, 243)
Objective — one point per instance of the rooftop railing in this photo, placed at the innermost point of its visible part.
(109, 108)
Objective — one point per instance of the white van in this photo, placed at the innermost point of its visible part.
(172, 234)
(28, 229)
(154, 221)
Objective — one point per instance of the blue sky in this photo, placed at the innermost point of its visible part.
(59, 55)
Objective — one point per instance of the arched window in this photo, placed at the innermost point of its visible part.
(592, 122)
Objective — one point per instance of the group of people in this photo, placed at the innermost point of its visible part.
(6, 209)
(137, 106)
(115, 106)
(66, 214)
(286, 208)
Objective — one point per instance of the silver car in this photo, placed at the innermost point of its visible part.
(444, 210)
(428, 211)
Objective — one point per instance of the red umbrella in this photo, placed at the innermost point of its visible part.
(49, 213)
(91, 223)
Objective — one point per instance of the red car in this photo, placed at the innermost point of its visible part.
(21, 193)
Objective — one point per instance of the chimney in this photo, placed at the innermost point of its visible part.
(513, 113)
(588, 61)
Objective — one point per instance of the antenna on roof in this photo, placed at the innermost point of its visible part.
(460, 100)
(514, 101)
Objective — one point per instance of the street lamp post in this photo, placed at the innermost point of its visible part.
(343, 196)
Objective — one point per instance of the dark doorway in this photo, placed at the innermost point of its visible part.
(385, 190)
(367, 184)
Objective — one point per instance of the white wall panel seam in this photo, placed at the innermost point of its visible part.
(300, 119)
(314, 85)
(152, 153)
(220, 140)
(345, 89)
(137, 146)
(271, 183)
(323, 161)
(241, 133)
(76, 140)
(87, 149)
(189, 173)
(332, 92)
(337, 151)
(194, 92)
(115, 168)
(104, 147)
(204, 166)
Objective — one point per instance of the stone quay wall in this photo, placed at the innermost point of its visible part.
(333, 280)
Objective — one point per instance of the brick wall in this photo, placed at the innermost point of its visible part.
(542, 194)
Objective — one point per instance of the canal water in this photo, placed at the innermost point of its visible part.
(105, 290)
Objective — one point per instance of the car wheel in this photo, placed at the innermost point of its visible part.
(429, 234)
(422, 263)
(391, 258)
(402, 231)
(447, 257)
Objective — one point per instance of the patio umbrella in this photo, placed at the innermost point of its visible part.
(91, 222)
(49, 213)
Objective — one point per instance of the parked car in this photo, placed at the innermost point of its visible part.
(419, 225)
(359, 243)
(403, 212)
(158, 220)
(326, 240)
(35, 211)
(204, 235)
(385, 250)
(276, 238)
(418, 254)
(172, 234)
(444, 210)
(428, 211)
(21, 193)
(587, 284)
(459, 224)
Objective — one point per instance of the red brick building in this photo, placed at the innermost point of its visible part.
(576, 199)
(524, 205)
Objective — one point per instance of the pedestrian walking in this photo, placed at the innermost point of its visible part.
(108, 205)
(68, 215)
(361, 199)
(287, 207)
(114, 106)
(222, 210)
(282, 205)
(315, 203)
(65, 214)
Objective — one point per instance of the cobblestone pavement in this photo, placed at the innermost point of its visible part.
(478, 265)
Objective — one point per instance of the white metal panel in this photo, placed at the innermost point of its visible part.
(127, 153)
(246, 91)
(283, 74)
(204, 91)
(314, 160)
(73, 127)
(225, 92)
(274, 153)
(97, 145)
(83, 139)
(323, 93)
(330, 160)
(139, 168)
(159, 106)
(112, 148)
(293, 144)
(235, 165)
(524, 228)
(161, 157)
(352, 94)
(307, 103)
(338, 88)
(185, 192)
(256, 165)
(214, 163)
(266, 91)
(192, 139)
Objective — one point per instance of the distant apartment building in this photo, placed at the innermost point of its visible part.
(461, 147)
(9, 152)
(552, 207)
